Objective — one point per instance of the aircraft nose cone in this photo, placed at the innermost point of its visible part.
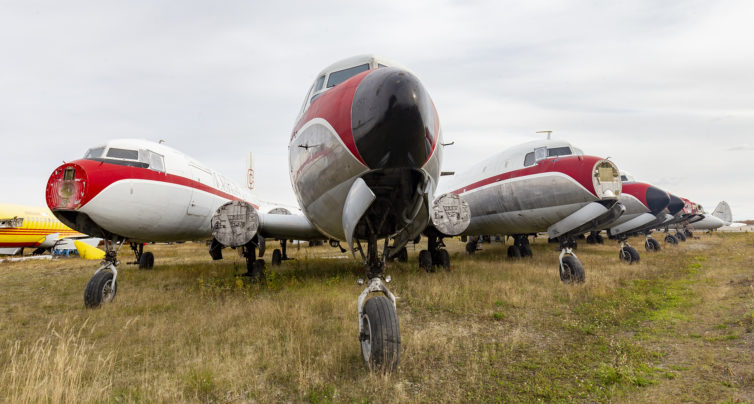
(393, 120)
(66, 187)
(657, 199)
(675, 205)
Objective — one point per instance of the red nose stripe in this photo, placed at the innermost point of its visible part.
(577, 167)
(638, 190)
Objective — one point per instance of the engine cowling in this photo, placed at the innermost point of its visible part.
(235, 223)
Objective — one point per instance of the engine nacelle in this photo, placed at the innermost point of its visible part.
(450, 215)
(235, 223)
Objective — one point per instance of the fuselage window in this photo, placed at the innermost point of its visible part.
(345, 74)
(123, 154)
(559, 151)
(94, 152)
(529, 159)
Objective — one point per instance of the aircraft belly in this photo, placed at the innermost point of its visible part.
(152, 211)
(322, 172)
(524, 205)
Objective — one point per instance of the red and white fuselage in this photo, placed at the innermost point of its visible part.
(535, 186)
(139, 190)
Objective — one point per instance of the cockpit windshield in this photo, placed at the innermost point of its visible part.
(137, 158)
(94, 152)
(340, 76)
(530, 158)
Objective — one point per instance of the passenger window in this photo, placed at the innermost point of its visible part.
(345, 74)
(529, 159)
(123, 154)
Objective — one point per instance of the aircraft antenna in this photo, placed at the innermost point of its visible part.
(549, 132)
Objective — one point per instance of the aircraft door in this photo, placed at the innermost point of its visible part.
(201, 200)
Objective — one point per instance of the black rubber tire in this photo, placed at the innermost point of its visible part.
(573, 271)
(526, 251)
(464, 239)
(591, 239)
(277, 258)
(514, 252)
(625, 255)
(146, 261)
(441, 259)
(381, 342)
(425, 261)
(651, 245)
(257, 270)
(688, 233)
(402, 255)
(471, 247)
(99, 289)
(635, 257)
(680, 236)
(599, 238)
(670, 239)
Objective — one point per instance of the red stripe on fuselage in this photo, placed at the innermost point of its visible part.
(577, 167)
(100, 175)
(19, 245)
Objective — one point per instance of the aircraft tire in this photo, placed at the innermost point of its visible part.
(573, 271)
(526, 251)
(146, 261)
(441, 259)
(625, 255)
(425, 261)
(99, 289)
(680, 236)
(471, 247)
(688, 233)
(591, 239)
(670, 239)
(599, 238)
(277, 258)
(514, 252)
(402, 255)
(635, 257)
(257, 270)
(652, 245)
(381, 337)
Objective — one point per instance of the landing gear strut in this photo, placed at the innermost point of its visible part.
(379, 332)
(102, 287)
(594, 238)
(254, 266)
(280, 255)
(570, 268)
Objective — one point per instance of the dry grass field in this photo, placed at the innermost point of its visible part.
(676, 327)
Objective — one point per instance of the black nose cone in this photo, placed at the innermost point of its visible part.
(393, 120)
(675, 205)
(657, 199)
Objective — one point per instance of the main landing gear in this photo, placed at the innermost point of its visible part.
(520, 247)
(594, 238)
(145, 260)
(435, 255)
(680, 235)
(472, 245)
(102, 287)
(379, 332)
(254, 266)
(279, 255)
(570, 268)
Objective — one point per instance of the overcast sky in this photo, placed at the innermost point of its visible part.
(666, 89)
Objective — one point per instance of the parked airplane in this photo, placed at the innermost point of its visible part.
(646, 207)
(720, 217)
(364, 159)
(544, 185)
(31, 226)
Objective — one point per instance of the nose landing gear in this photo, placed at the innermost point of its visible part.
(570, 268)
(627, 253)
(102, 286)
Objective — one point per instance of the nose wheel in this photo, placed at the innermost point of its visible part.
(570, 268)
(627, 253)
(102, 286)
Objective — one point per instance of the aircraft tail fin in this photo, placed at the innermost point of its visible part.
(249, 172)
(88, 252)
(723, 212)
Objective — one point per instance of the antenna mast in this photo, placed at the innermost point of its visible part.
(549, 132)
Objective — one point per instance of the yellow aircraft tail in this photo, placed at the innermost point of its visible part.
(88, 252)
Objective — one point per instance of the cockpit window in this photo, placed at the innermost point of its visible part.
(624, 178)
(345, 74)
(320, 83)
(380, 65)
(529, 159)
(559, 151)
(156, 161)
(94, 152)
(123, 154)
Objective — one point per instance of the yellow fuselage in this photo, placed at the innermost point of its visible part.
(31, 226)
